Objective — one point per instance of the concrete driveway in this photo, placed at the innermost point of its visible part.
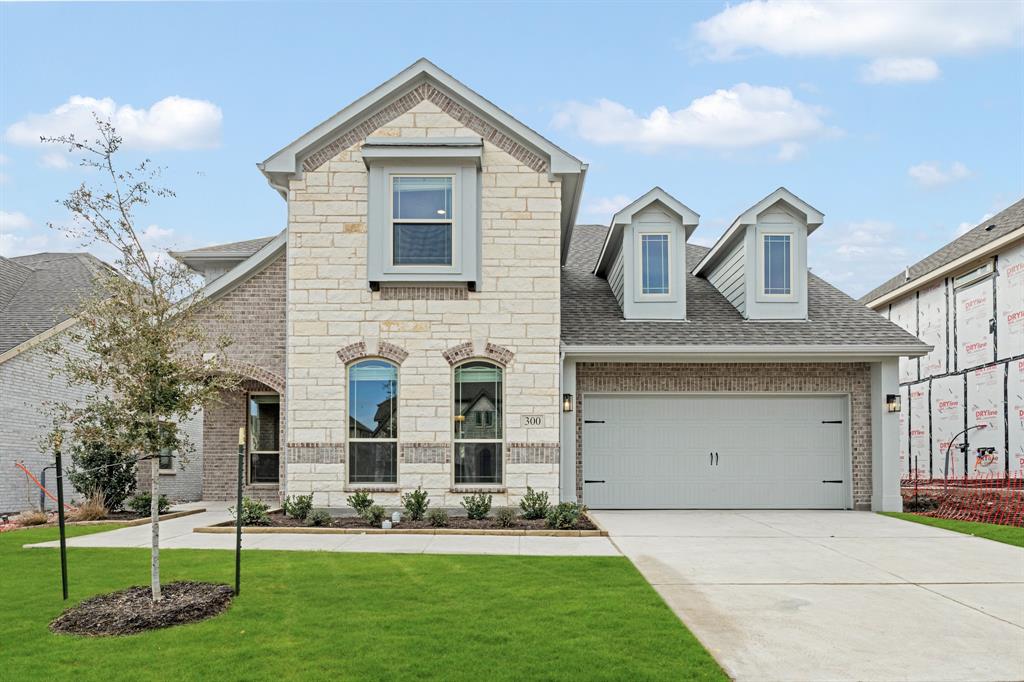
(817, 595)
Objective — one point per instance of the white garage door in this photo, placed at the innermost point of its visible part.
(715, 452)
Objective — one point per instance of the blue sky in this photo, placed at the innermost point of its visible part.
(902, 122)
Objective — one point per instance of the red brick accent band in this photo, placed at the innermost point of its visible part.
(464, 351)
(385, 349)
(251, 371)
(424, 293)
(425, 91)
(532, 453)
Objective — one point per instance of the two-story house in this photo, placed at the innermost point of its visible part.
(433, 316)
(967, 301)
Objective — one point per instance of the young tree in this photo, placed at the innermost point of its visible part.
(148, 364)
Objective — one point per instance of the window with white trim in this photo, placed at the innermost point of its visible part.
(778, 264)
(654, 264)
(422, 220)
(373, 422)
(478, 411)
(166, 460)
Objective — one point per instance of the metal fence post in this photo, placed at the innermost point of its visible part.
(60, 518)
(238, 512)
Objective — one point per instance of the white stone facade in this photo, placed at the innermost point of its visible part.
(330, 306)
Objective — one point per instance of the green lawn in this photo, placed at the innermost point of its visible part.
(1011, 535)
(312, 616)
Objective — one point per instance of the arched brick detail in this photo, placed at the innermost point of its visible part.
(426, 91)
(456, 354)
(390, 351)
(352, 351)
(384, 349)
(251, 371)
(465, 351)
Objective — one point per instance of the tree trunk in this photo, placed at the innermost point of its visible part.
(154, 513)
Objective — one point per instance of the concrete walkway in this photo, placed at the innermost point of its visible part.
(795, 595)
(177, 533)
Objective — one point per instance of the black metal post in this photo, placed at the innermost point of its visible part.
(60, 522)
(238, 513)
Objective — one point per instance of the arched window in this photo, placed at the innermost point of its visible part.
(372, 422)
(479, 424)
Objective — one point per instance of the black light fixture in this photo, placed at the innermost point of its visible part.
(892, 402)
(567, 402)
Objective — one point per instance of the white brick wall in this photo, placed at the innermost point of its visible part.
(330, 306)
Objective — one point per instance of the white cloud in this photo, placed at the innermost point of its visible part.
(603, 208)
(54, 160)
(932, 174)
(900, 70)
(856, 256)
(868, 28)
(742, 116)
(13, 220)
(4, 159)
(790, 150)
(172, 123)
(964, 228)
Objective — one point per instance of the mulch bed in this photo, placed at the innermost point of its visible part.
(133, 610)
(279, 520)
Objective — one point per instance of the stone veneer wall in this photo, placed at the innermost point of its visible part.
(330, 307)
(853, 379)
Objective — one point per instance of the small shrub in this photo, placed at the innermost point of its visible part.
(374, 515)
(97, 465)
(318, 517)
(565, 515)
(360, 501)
(534, 504)
(31, 517)
(93, 508)
(438, 518)
(477, 506)
(298, 506)
(505, 517)
(254, 512)
(416, 503)
(140, 504)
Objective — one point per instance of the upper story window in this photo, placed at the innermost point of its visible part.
(654, 264)
(977, 274)
(373, 422)
(421, 220)
(778, 264)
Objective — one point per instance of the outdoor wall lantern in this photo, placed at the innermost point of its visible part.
(567, 402)
(892, 402)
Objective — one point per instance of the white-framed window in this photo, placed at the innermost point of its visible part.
(422, 220)
(264, 437)
(655, 264)
(777, 264)
(478, 416)
(977, 274)
(373, 422)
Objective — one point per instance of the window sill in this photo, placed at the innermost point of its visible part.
(265, 486)
(369, 488)
(168, 472)
(477, 489)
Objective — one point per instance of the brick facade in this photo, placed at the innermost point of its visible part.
(852, 379)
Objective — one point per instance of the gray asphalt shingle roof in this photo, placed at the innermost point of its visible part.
(246, 247)
(592, 317)
(42, 290)
(1004, 222)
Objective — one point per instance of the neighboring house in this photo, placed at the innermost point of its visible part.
(967, 301)
(432, 316)
(38, 296)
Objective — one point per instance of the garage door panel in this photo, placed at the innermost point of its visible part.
(654, 451)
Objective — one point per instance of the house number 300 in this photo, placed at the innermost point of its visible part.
(532, 420)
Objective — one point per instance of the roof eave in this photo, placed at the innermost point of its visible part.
(743, 353)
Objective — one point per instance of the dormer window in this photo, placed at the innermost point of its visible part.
(778, 264)
(655, 275)
(422, 227)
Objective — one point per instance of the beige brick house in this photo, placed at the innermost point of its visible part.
(432, 316)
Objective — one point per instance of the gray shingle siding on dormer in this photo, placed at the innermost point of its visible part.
(616, 278)
(728, 278)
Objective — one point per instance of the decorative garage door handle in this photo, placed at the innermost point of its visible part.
(589, 480)
(714, 458)
(593, 421)
(832, 481)
(833, 421)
